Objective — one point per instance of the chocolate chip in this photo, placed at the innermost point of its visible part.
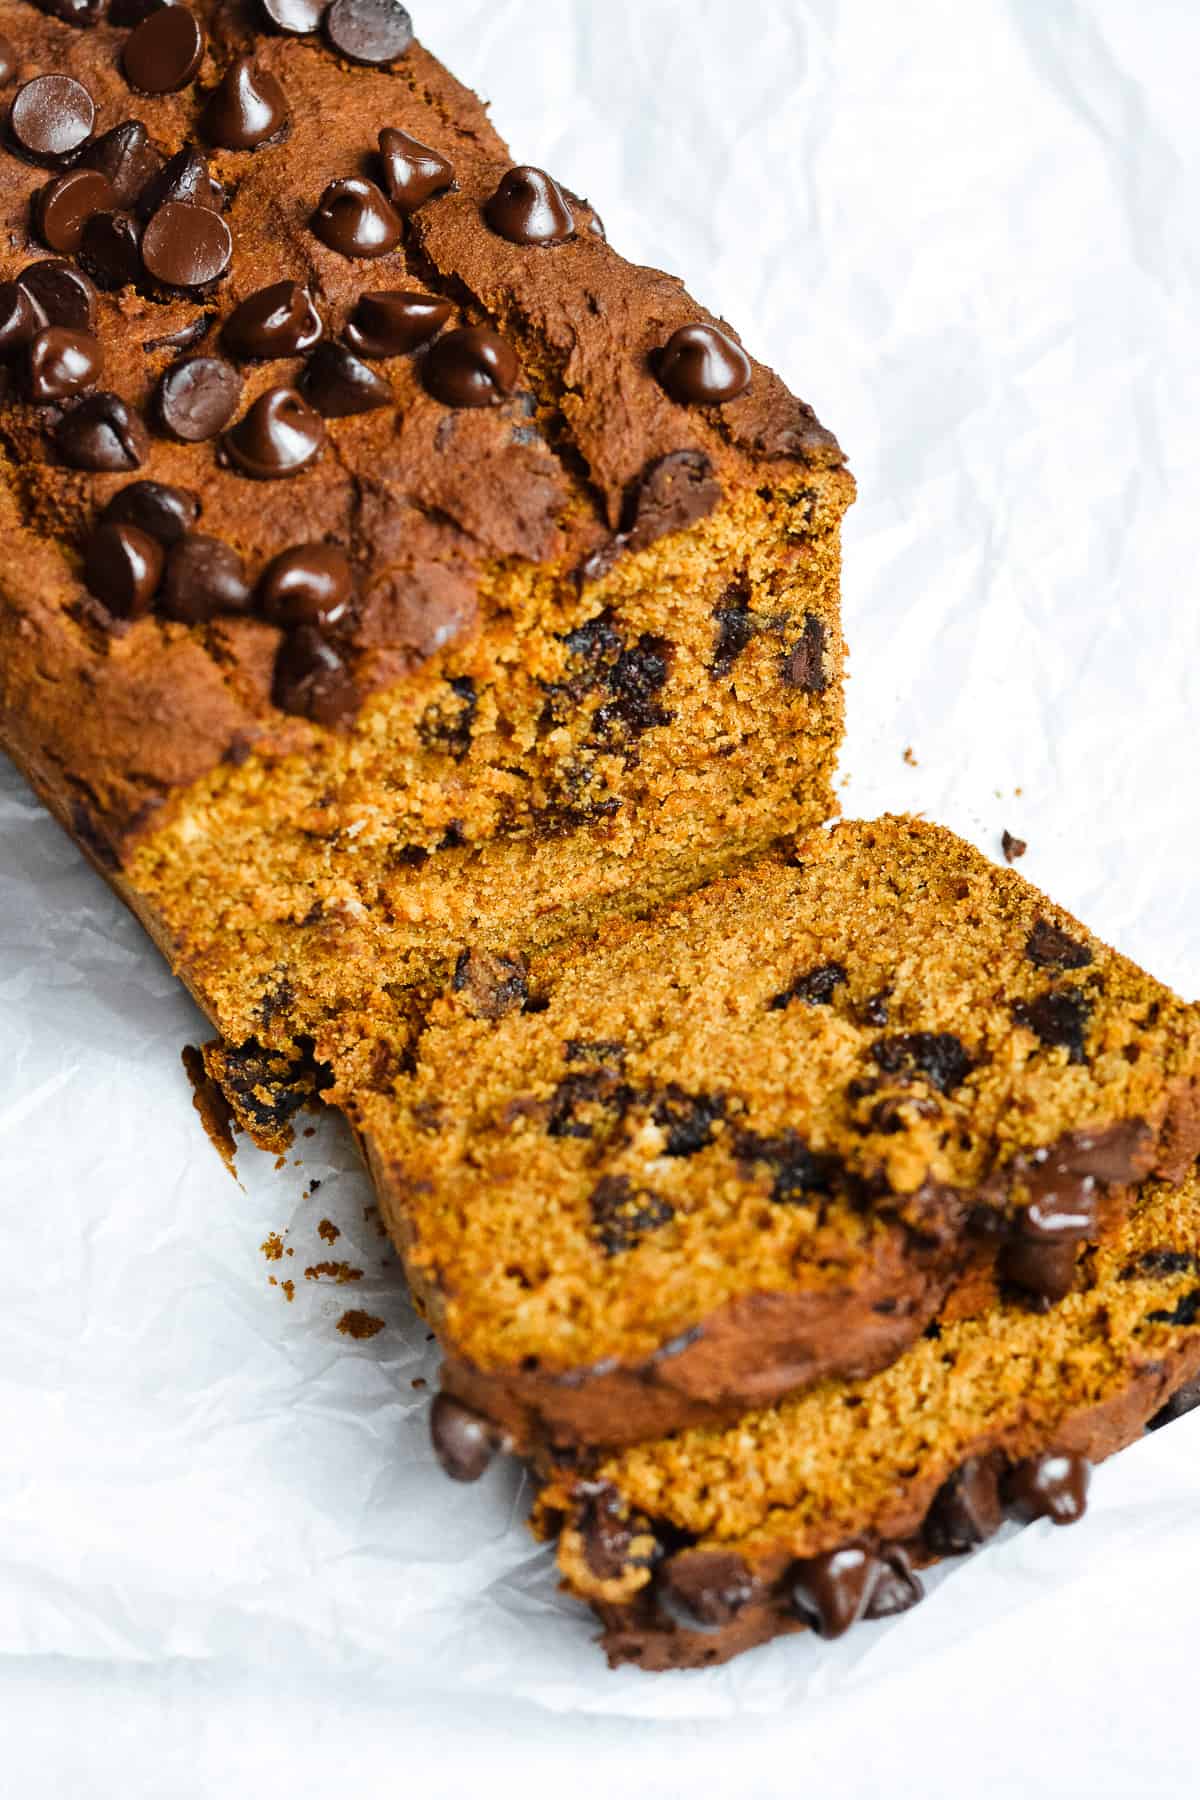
(816, 988)
(671, 494)
(1050, 948)
(896, 1589)
(798, 1172)
(52, 117)
(356, 219)
(464, 1442)
(605, 1528)
(164, 52)
(392, 324)
(245, 109)
(1050, 1487)
(802, 664)
(1152, 1264)
(312, 681)
(184, 179)
(623, 1214)
(1044, 1270)
(102, 433)
(63, 362)
(938, 1056)
(63, 207)
(125, 14)
(310, 584)
(875, 1010)
(412, 172)
(197, 397)
(339, 385)
(8, 60)
(832, 1592)
(1183, 1401)
(280, 435)
(21, 318)
(704, 1590)
(1059, 1019)
(279, 320)
(110, 249)
(689, 1120)
(701, 366)
(471, 367)
(736, 626)
(82, 13)
(1013, 847)
(163, 513)
(529, 207)
(203, 577)
(492, 986)
(966, 1509)
(369, 31)
(1186, 1311)
(61, 292)
(122, 567)
(186, 246)
(298, 18)
(447, 723)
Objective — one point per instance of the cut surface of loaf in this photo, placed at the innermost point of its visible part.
(818, 1512)
(555, 630)
(769, 1133)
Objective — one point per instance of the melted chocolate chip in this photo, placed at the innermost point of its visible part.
(183, 179)
(186, 246)
(1152, 1264)
(102, 433)
(122, 568)
(163, 513)
(1043, 1270)
(1050, 1487)
(356, 219)
(63, 362)
(802, 664)
(798, 1172)
(464, 1442)
(701, 366)
(1183, 1401)
(21, 318)
(280, 435)
(197, 397)
(605, 1528)
(896, 1589)
(203, 578)
(412, 172)
(164, 52)
(491, 986)
(8, 60)
(245, 109)
(1186, 1311)
(340, 385)
(529, 207)
(471, 367)
(63, 207)
(875, 1010)
(279, 320)
(52, 117)
(966, 1509)
(672, 494)
(816, 988)
(623, 1214)
(369, 31)
(392, 324)
(310, 584)
(1059, 1019)
(704, 1590)
(938, 1056)
(62, 293)
(689, 1120)
(736, 626)
(1051, 948)
(312, 681)
(297, 18)
(832, 1592)
(111, 249)
(447, 722)
(126, 156)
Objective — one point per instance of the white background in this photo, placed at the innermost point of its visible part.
(968, 232)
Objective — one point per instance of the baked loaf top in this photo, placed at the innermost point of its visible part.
(212, 214)
(752, 1140)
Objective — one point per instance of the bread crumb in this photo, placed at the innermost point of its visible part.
(339, 1272)
(910, 758)
(1012, 847)
(272, 1247)
(359, 1324)
(289, 1289)
(329, 1231)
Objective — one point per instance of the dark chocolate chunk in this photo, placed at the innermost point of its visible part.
(576, 1094)
(339, 384)
(312, 680)
(183, 179)
(672, 494)
(280, 435)
(1183, 1401)
(701, 366)
(310, 584)
(689, 1120)
(623, 1214)
(491, 985)
(163, 513)
(245, 109)
(356, 219)
(604, 1525)
(1152, 1264)
(594, 1050)
(1059, 1019)
(122, 568)
(464, 1442)
(197, 397)
(127, 157)
(736, 626)
(471, 367)
(798, 1172)
(816, 988)
(1186, 1311)
(897, 1588)
(63, 362)
(802, 664)
(164, 52)
(369, 31)
(21, 318)
(125, 14)
(1042, 1269)
(102, 433)
(8, 60)
(279, 320)
(412, 172)
(966, 1509)
(204, 577)
(1013, 847)
(875, 1010)
(186, 246)
(64, 206)
(52, 118)
(1050, 948)
(704, 1590)
(529, 207)
(447, 723)
(62, 293)
(832, 1592)
(634, 683)
(936, 1055)
(1050, 1487)
(297, 18)
(111, 249)
(392, 324)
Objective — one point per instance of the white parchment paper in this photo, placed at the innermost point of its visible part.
(967, 231)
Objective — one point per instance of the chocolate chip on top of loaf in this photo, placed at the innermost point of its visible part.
(769, 1133)
(275, 260)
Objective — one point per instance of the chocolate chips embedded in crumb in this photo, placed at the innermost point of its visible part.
(393, 323)
(279, 320)
(204, 577)
(622, 1214)
(802, 664)
(102, 433)
(197, 397)
(704, 1590)
(279, 436)
(1059, 1019)
(340, 385)
(312, 680)
(701, 366)
(163, 512)
(126, 157)
(491, 985)
(799, 1172)
(111, 249)
(606, 1529)
(184, 179)
(164, 52)
(246, 109)
(966, 1509)
(816, 988)
(64, 206)
(354, 218)
(1050, 948)
(529, 207)
(52, 117)
(62, 293)
(688, 1120)
(186, 246)
(471, 367)
(62, 362)
(122, 567)
(896, 1588)
(464, 1442)
(832, 1592)
(310, 584)
(670, 495)
(412, 172)
(1050, 1487)
(937, 1056)
(21, 318)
